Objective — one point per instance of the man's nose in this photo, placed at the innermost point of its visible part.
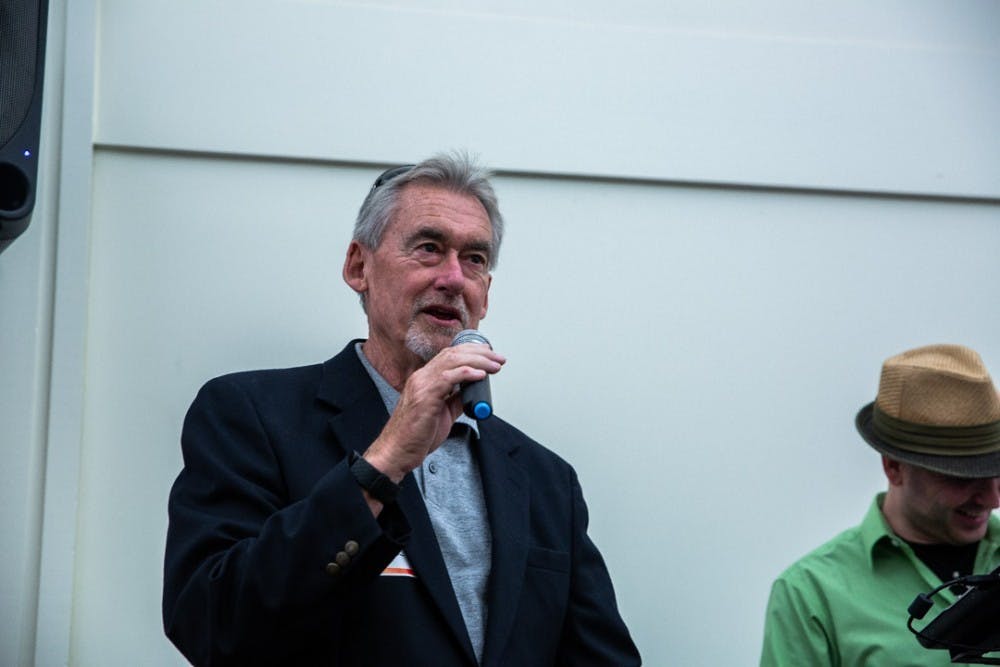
(989, 492)
(450, 276)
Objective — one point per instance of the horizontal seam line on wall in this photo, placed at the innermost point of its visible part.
(565, 176)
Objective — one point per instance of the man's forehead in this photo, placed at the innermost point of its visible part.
(435, 212)
(430, 199)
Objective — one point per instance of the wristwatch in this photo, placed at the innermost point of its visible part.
(380, 487)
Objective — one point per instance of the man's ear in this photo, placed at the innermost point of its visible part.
(893, 470)
(355, 267)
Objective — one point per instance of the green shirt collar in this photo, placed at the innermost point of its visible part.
(875, 531)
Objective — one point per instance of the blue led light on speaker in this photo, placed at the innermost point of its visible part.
(27, 152)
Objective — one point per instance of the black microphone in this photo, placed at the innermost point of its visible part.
(476, 400)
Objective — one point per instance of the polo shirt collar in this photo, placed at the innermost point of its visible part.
(389, 394)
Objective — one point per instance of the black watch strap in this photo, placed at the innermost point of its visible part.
(380, 487)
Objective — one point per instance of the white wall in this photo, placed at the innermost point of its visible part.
(720, 221)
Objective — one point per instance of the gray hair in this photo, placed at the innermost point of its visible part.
(455, 171)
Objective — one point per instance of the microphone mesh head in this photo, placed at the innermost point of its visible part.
(469, 336)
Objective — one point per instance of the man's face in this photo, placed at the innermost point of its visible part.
(428, 279)
(939, 509)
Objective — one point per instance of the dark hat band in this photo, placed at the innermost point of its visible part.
(938, 440)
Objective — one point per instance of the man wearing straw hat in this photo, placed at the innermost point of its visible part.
(936, 422)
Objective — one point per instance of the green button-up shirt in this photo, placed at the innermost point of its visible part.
(845, 603)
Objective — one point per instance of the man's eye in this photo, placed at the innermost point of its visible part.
(477, 258)
(428, 247)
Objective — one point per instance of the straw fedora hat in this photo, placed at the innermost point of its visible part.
(936, 408)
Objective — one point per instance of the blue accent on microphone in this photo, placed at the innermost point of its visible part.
(477, 402)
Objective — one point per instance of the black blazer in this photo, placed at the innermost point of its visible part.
(265, 502)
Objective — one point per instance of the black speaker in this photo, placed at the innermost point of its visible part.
(22, 66)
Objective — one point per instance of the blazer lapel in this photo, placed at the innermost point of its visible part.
(506, 488)
(359, 416)
(358, 413)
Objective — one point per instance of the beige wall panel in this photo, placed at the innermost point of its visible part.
(894, 97)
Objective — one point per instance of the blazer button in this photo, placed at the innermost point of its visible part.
(332, 569)
(351, 548)
(343, 560)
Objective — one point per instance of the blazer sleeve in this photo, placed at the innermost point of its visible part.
(245, 573)
(593, 631)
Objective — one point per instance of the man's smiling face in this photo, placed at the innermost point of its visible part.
(940, 509)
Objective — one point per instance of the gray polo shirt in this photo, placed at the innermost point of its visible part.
(452, 488)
